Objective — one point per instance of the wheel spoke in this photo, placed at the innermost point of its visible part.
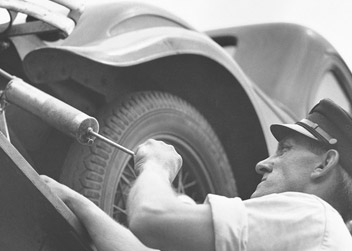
(180, 183)
(129, 167)
(126, 180)
(190, 184)
(119, 209)
(185, 176)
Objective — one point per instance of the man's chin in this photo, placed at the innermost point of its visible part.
(259, 193)
(255, 194)
(263, 188)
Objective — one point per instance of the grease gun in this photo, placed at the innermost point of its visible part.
(55, 112)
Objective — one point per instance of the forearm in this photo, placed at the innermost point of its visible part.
(151, 191)
(149, 202)
(161, 220)
(105, 232)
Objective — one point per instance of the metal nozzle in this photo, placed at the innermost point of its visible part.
(122, 148)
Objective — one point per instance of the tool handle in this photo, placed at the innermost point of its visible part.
(60, 115)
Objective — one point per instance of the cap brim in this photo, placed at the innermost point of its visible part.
(281, 130)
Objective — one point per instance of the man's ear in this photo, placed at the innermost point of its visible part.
(330, 160)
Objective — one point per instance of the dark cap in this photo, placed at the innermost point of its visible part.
(327, 123)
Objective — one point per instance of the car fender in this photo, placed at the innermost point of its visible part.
(58, 63)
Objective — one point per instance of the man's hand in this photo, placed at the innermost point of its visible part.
(106, 233)
(62, 191)
(158, 155)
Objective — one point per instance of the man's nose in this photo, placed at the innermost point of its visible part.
(263, 167)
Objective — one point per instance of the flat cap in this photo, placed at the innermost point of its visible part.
(327, 123)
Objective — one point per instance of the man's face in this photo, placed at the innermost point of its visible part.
(289, 168)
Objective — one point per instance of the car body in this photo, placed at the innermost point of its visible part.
(241, 78)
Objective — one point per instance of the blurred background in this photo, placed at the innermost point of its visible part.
(332, 19)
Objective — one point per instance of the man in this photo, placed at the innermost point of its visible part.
(301, 203)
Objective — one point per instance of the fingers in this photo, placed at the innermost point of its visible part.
(62, 191)
(50, 182)
(158, 149)
(53, 185)
(159, 154)
(46, 179)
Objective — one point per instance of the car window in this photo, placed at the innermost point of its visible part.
(331, 88)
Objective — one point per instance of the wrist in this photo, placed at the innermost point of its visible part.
(155, 168)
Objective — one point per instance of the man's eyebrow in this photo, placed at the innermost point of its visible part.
(283, 142)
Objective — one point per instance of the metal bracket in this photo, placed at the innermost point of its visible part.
(3, 124)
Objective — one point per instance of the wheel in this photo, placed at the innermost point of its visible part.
(104, 174)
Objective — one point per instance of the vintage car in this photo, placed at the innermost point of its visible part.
(144, 72)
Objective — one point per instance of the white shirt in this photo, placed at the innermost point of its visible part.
(283, 222)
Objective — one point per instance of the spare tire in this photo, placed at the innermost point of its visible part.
(104, 174)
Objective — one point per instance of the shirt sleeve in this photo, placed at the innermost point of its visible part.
(289, 221)
(230, 222)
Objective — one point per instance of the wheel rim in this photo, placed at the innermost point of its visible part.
(193, 179)
(119, 207)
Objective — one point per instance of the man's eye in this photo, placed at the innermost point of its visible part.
(282, 149)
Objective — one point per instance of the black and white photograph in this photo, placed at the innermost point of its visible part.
(175, 125)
